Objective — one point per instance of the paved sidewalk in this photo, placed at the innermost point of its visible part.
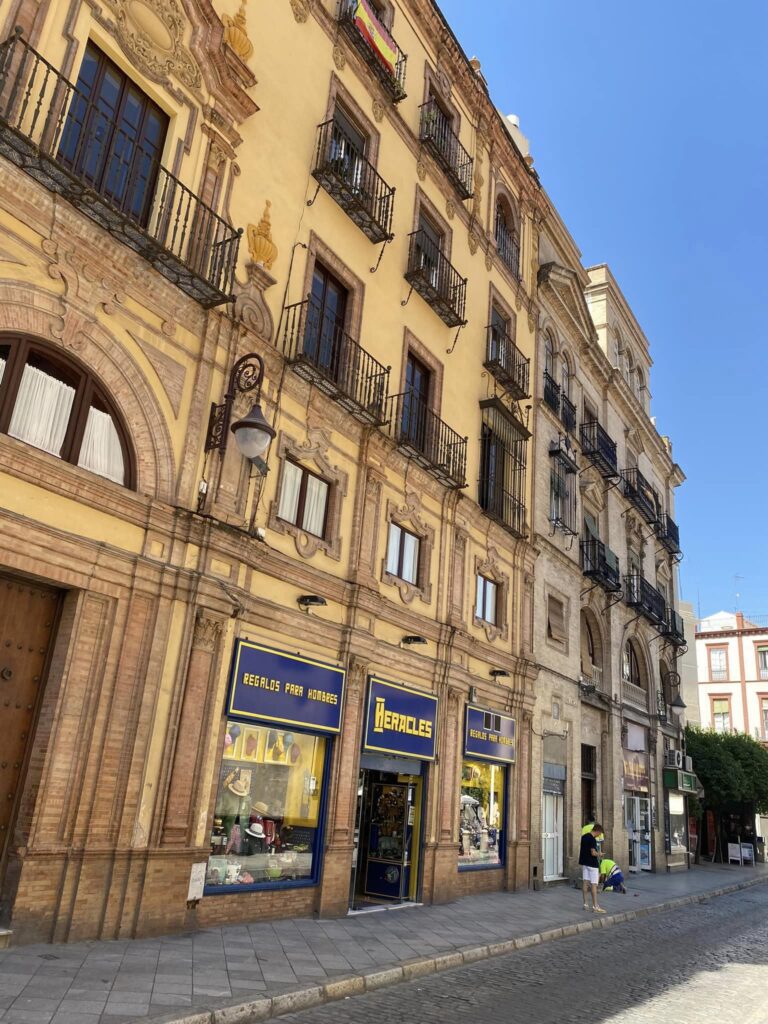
(303, 961)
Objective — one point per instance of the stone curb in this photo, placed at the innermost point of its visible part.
(267, 1007)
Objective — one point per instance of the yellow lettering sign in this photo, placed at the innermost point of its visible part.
(392, 721)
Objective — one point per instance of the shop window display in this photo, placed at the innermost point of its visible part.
(678, 821)
(481, 814)
(266, 823)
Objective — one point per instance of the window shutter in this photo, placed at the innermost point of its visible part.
(591, 526)
(556, 619)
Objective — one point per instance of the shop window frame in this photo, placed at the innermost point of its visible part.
(502, 840)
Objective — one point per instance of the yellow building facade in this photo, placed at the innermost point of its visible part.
(301, 682)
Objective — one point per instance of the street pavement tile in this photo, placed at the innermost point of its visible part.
(170, 999)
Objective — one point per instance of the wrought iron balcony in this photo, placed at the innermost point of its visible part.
(668, 533)
(503, 506)
(600, 564)
(323, 353)
(641, 494)
(52, 131)
(435, 279)
(599, 448)
(674, 629)
(551, 393)
(427, 439)
(353, 182)
(508, 248)
(567, 413)
(375, 45)
(638, 593)
(440, 139)
(506, 363)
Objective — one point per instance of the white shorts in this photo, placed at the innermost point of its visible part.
(591, 875)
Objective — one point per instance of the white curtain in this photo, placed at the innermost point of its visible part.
(410, 557)
(41, 413)
(289, 493)
(314, 505)
(2, 369)
(101, 451)
(393, 548)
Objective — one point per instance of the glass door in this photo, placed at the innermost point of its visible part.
(632, 821)
(644, 836)
(552, 836)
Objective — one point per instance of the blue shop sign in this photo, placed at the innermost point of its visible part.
(400, 720)
(489, 735)
(287, 688)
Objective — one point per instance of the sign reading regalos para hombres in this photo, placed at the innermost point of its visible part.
(400, 720)
(489, 735)
(287, 688)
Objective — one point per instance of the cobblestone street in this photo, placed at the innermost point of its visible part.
(702, 963)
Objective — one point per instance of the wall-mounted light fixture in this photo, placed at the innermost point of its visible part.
(413, 639)
(307, 601)
(499, 673)
(678, 707)
(252, 433)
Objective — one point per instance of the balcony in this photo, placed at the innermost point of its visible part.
(567, 413)
(321, 352)
(435, 279)
(593, 681)
(506, 363)
(375, 45)
(439, 138)
(599, 563)
(508, 248)
(551, 393)
(641, 495)
(632, 694)
(49, 129)
(639, 594)
(429, 441)
(668, 533)
(599, 448)
(353, 182)
(674, 629)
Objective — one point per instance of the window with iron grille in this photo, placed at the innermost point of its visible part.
(588, 761)
(501, 490)
(562, 494)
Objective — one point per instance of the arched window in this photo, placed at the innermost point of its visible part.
(53, 403)
(565, 376)
(629, 367)
(642, 391)
(549, 355)
(507, 239)
(630, 666)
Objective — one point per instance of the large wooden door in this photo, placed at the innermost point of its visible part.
(28, 614)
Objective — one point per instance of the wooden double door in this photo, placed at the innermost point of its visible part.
(28, 617)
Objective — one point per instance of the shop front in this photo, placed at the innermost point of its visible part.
(638, 816)
(283, 710)
(678, 785)
(399, 743)
(489, 750)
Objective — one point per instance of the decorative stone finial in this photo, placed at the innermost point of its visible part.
(236, 34)
(260, 245)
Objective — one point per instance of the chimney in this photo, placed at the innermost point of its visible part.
(739, 620)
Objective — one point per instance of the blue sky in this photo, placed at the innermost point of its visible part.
(647, 123)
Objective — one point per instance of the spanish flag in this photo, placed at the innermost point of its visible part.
(378, 38)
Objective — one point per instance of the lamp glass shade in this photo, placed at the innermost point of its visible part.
(252, 433)
(678, 706)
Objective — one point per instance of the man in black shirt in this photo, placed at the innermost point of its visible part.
(590, 866)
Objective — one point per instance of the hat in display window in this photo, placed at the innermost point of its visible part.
(240, 785)
(255, 829)
(260, 807)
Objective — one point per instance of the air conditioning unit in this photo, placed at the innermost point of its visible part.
(673, 759)
(689, 764)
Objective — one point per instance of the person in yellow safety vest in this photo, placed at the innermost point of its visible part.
(611, 876)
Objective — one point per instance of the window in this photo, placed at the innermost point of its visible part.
(501, 489)
(266, 819)
(52, 404)
(718, 663)
(556, 628)
(403, 554)
(762, 662)
(587, 648)
(549, 355)
(486, 597)
(481, 814)
(348, 148)
(507, 242)
(565, 377)
(429, 249)
(500, 331)
(416, 401)
(630, 667)
(588, 782)
(721, 714)
(303, 499)
(562, 494)
(764, 716)
(114, 136)
(324, 331)
(634, 563)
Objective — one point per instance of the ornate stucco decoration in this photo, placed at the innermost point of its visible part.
(260, 245)
(151, 32)
(236, 34)
(250, 305)
(301, 9)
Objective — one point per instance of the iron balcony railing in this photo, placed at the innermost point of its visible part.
(567, 413)
(427, 439)
(599, 448)
(435, 279)
(668, 533)
(440, 139)
(641, 494)
(54, 132)
(551, 392)
(502, 505)
(600, 564)
(375, 45)
(506, 363)
(353, 182)
(674, 629)
(322, 352)
(508, 248)
(638, 593)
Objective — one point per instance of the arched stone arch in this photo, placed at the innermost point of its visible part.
(635, 645)
(591, 644)
(41, 314)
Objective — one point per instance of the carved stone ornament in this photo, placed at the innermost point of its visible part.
(250, 305)
(339, 58)
(488, 261)
(378, 111)
(151, 32)
(474, 242)
(301, 9)
(421, 169)
(450, 209)
(207, 632)
(236, 34)
(260, 245)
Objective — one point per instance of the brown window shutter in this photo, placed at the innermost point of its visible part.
(556, 619)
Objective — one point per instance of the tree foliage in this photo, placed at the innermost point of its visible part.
(732, 767)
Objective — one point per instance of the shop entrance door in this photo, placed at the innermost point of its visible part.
(637, 815)
(387, 844)
(552, 836)
(27, 622)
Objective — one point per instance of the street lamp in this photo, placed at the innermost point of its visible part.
(678, 707)
(252, 433)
